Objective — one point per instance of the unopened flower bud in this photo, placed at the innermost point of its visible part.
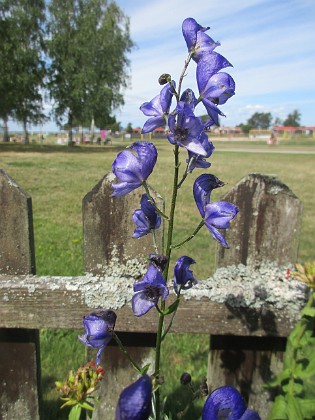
(164, 78)
(185, 379)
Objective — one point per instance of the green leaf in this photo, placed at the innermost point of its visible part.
(278, 409)
(87, 406)
(307, 408)
(308, 312)
(75, 413)
(284, 375)
(172, 308)
(294, 410)
(145, 369)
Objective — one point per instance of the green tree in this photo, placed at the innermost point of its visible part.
(88, 45)
(22, 67)
(259, 120)
(293, 119)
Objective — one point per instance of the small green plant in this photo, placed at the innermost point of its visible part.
(295, 384)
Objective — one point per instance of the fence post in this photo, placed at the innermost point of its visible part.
(266, 229)
(108, 244)
(19, 348)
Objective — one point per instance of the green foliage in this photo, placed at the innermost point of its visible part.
(22, 67)
(295, 384)
(293, 119)
(88, 43)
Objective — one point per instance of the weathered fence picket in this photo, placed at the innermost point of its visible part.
(113, 260)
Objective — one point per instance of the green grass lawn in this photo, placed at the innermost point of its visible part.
(58, 177)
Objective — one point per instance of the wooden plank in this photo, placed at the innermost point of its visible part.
(265, 230)
(60, 302)
(19, 348)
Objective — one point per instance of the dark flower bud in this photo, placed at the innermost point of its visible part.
(204, 390)
(164, 78)
(185, 379)
(107, 315)
(158, 260)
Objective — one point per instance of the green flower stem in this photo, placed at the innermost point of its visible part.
(123, 349)
(146, 188)
(183, 74)
(191, 236)
(168, 252)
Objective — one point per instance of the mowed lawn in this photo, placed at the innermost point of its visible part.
(57, 178)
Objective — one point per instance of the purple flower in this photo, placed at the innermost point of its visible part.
(158, 108)
(214, 88)
(145, 218)
(148, 291)
(183, 276)
(159, 261)
(133, 170)
(198, 42)
(202, 188)
(218, 215)
(197, 161)
(227, 403)
(98, 326)
(186, 129)
(135, 401)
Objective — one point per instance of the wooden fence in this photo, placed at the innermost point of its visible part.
(246, 343)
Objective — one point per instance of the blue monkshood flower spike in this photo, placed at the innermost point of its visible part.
(131, 169)
(135, 401)
(148, 291)
(145, 218)
(227, 403)
(187, 130)
(218, 215)
(183, 277)
(202, 188)
(158, 108)
(214, 88)
(198, 42)
(98, 326)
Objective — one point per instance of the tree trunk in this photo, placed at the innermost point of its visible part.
(92, 129)
(6, 137)
(26, 139)
(70, 137)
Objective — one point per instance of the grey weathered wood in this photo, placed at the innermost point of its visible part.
(108, 229)
(60, 302)
(19, 348)
(267, 226)
(266, 229)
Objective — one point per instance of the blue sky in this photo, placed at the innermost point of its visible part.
(271, 45)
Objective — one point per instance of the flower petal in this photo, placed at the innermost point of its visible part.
(225, 402)
(135, 401)
(141, 305)
(202, 188)
(127, 167)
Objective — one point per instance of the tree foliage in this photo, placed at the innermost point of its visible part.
(293, 119)
(22, 67)
(88, 45)
(259, 120)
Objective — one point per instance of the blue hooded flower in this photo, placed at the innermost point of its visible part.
(158, 108)
(217, 215)
(145, 218)
(148, 291)
(202, 188)
(133, 170)
(214, 88)
(98, 327)
(197, 41)
(135, 401)
(187, 130)
(183, 277)
(227, 403)
(198, 161)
